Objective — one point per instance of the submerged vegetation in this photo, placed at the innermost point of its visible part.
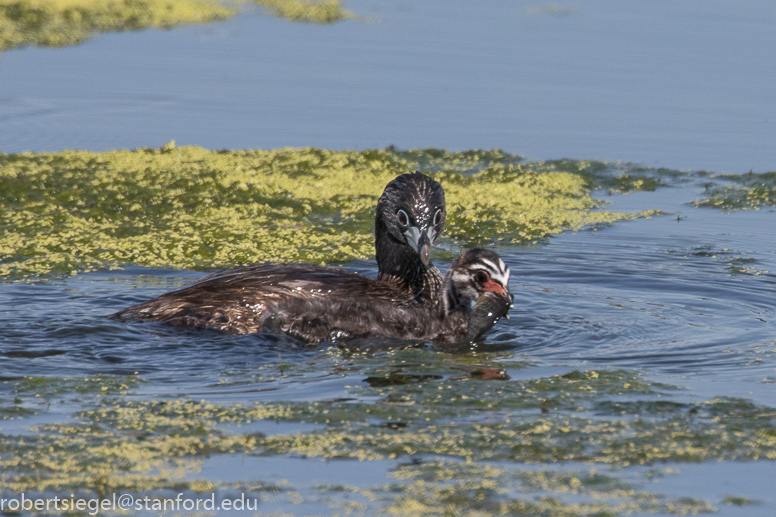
(68, 22)
(747, 192)
(187, 207)
(455, 424)
(619, 178)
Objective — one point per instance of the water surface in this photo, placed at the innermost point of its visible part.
(663, 83)
(658, 333)
(684, 299)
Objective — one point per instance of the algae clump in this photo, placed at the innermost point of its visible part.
(326, 11)
(68, 22)
(59, 23)
(190, 208)
(748, 192)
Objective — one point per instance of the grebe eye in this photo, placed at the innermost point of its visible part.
(403, 218)
(481, 277)
(438, 217)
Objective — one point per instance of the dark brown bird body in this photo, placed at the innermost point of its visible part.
(318, 303)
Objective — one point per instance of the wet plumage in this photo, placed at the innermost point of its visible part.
(318, 303)
(410, 216)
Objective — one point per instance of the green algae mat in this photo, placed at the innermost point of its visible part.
(190, 208)
(485, 440)
(68, 22)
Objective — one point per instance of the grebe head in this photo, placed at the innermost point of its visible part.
(474, 273)
(412, 211)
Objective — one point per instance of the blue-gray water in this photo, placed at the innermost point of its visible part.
(679, 84)
(687, 300)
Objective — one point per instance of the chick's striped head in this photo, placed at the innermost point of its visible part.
(475, 272)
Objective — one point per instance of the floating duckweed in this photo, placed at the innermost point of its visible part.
(49, 387)
(12, 412)
(740, 501)
(67, 22)
(464, 162)
(618, 178)
(191, 208)
(121, 441)
(754, 192)
(58, 23)
(735, 264)
(323, 11)
(452, 488)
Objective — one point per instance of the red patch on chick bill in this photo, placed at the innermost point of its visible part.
(494, 287)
